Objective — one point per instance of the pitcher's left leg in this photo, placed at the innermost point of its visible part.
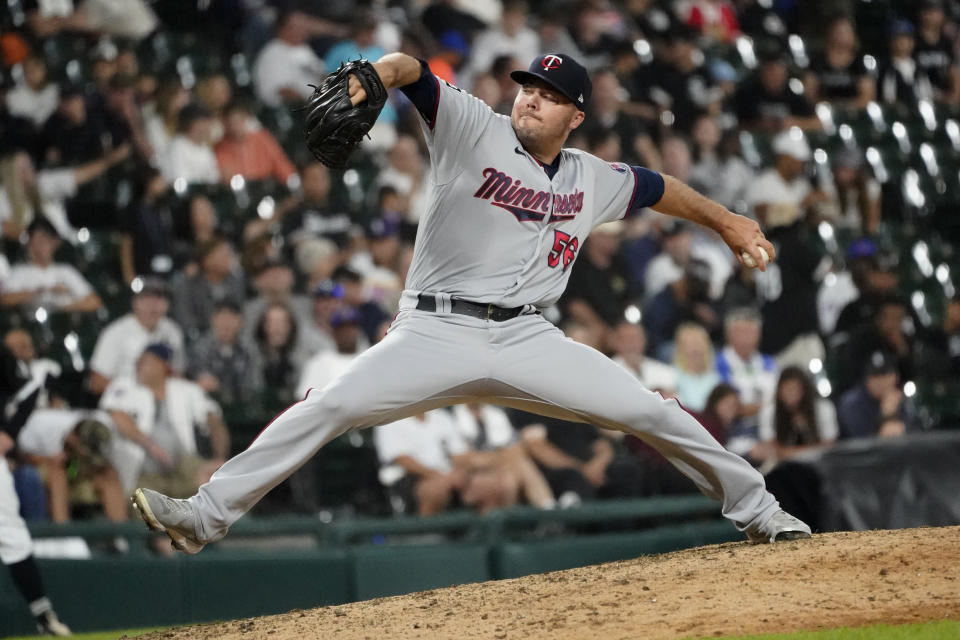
(553, 374)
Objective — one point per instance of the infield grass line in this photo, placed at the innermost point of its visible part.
(938, 630)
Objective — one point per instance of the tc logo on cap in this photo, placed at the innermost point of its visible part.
(551, 62)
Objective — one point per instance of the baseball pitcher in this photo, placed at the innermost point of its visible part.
(509, 209)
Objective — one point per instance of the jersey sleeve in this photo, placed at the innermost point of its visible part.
(452, 121)
(621, 189)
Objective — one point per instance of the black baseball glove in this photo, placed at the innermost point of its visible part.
(334, 126)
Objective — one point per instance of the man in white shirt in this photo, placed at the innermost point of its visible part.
(513, 37)
(41, 282)
(740, 363)
(35, 98)
(287, 64)
(782, 194)
(190, 155)
(329, 364)
(426, 465)
(124, 339)
(157, 418)
(630, 346)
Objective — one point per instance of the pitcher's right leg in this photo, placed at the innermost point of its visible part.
(426, 361)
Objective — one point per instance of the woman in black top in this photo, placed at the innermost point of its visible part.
(838, 75)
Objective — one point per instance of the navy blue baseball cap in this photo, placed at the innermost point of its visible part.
(561, 72)
(161, 350)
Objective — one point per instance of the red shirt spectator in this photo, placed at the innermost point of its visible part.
(252, 153)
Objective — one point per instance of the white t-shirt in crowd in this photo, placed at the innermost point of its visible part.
(430, 441)
(36, 106)
(284, 66)
(27, 277)
(122, 342)
(826, 416)
(523, 45)
(196, 163)
(783, 198)
(45, 430)
(54, 186)
(499, 433)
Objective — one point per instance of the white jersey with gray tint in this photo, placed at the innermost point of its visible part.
(498, 229)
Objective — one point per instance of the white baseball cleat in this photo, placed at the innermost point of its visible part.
(172, 516)
(49, 625)
(781, 526)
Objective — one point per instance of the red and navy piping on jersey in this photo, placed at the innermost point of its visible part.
(648, 187)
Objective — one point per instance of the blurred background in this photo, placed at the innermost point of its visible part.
(176, 269)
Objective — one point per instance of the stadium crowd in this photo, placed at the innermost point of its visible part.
(175, 268)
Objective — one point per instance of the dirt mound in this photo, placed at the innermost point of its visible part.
(833, 580)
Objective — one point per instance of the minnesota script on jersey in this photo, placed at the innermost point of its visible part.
(499, 230)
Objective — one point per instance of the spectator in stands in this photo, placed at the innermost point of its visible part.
(222, 362)
(453, 52)
(876, 406)
(250, 152)
(159, 421)
(161, 116)
(218, 279)
(684, 300)
(215, 93)
(314, 216)
(316, 260)
(598, 291)
(282, 354)
(317, 335)
(287, 64)
(371, 314)
(16, 133)
(765, 101)
(189, 155)
(721, 417)
(273, 283)
(714, 19)
(511, 37)
(122, 341)
(718, 170)
(787, 295)
(629, 342)
(68, 447)
(326, 365)
(79, 131)
(608, 114)
(676, 240)
(44, 373)
(798, 419)
(696, 368)
(496, 449)
(123, 110)
(26, 193)
(855, 192)
(680, 84)
(148, 244)
(741, 365)
(837, 74)
(874, 276)
(36, 98)
(900, 80)
(41, 282)
(782, 194)
(934, 52)
(579, 461)
(426, 467)
(891, 332)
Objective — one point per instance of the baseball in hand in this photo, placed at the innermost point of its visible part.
(750, 262)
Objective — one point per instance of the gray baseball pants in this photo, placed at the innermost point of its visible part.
(433, 359)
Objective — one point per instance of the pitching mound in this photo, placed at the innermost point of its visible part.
(833, 580)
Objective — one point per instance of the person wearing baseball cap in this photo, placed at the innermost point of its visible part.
(781, 194)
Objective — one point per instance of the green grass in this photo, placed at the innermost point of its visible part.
(941, 630)
(99, 635)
